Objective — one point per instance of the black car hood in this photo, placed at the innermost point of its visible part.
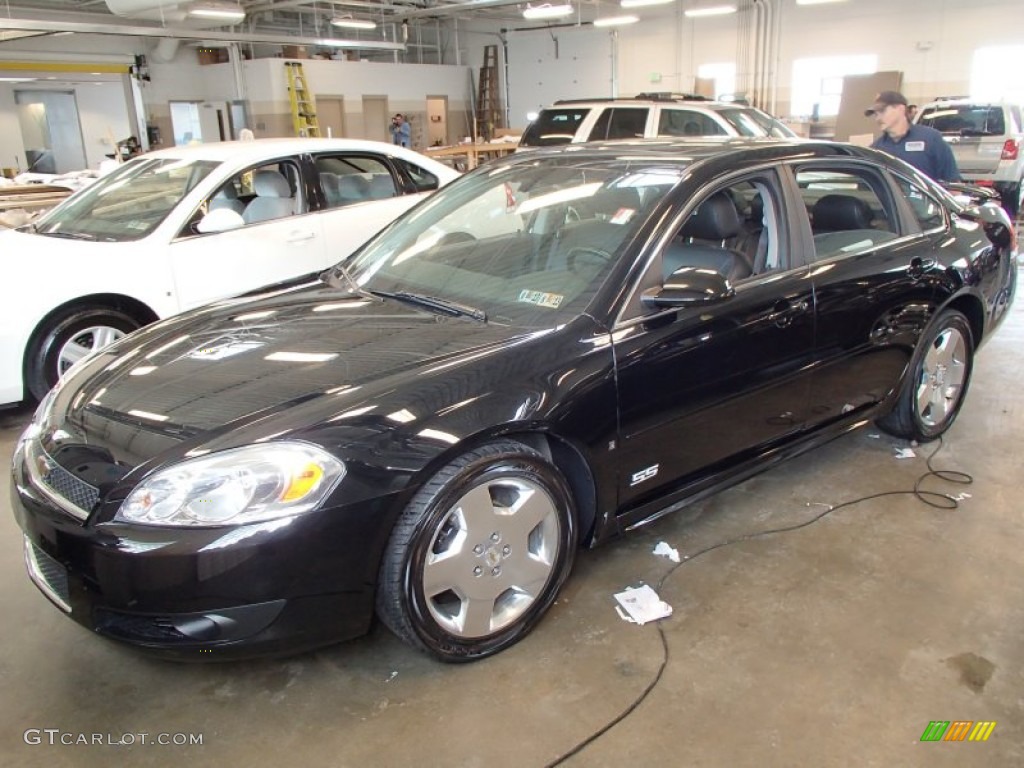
(237, 362)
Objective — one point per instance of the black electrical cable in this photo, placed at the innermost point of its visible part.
(931, 498)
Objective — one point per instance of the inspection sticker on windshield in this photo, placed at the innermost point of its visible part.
(622, 216)
(541, 299)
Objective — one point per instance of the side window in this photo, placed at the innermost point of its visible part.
(926, 210)
(687, 122)
(257, 194)
(424, 181)
(620, 123)
(734, 230)
(848, 209)
(350, 179)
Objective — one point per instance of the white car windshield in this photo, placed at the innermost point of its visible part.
(128, 203)
(526, 245)
(753, 122)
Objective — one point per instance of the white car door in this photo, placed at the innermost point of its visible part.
(279, 237)
(363, 194)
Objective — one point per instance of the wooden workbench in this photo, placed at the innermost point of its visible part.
(474, 154)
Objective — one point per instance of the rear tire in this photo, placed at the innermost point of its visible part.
(66, 338)
(479, 554)
(936, 382)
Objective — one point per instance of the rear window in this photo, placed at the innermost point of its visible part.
(965, 120)
(620, 123)
(686, 122)
(553, 126)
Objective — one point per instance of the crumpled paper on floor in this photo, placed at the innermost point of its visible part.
(665, 550)
(641, 605)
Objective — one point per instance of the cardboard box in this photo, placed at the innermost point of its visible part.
(294, 52)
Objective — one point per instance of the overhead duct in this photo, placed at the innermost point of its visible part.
(165, 50)
(152, 10)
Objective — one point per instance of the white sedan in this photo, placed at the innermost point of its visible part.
(181, 227)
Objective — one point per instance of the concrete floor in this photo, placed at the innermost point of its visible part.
(833, 645)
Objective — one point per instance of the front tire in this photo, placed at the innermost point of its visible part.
(69, 336)
(937, 381)
(479, 554)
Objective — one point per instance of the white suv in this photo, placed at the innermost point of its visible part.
(987, 139)
(647, 116)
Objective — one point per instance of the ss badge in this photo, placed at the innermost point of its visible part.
(643, 474)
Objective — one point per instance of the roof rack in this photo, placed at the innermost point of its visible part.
(654, 96)
(599, 98)
(668, 96)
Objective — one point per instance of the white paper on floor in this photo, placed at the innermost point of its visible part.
(666, 551)
(905, 453)
(642, 605)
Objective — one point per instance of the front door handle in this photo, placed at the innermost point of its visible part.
(299, 237)
(785, 311)
(918, 266)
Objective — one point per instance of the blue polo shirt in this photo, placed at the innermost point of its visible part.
(925, 149)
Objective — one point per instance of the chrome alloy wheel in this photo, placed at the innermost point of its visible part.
(83, 343)
(943, 372)
(491, 557)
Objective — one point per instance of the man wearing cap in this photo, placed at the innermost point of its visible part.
(921, 146)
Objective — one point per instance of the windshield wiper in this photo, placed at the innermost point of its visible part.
(68, 235)
(434, 302)
(338, 271)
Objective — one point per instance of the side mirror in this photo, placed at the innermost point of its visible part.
(690, 287)
(220, 220)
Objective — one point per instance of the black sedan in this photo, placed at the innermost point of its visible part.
(548, 352)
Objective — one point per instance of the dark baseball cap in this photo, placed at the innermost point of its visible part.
(885, 99)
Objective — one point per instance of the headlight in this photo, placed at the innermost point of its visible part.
(35, 427)
(242, 485)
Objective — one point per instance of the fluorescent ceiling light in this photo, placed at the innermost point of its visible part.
(350, 23)
(642, 3)
(818, 2)
(547, 11)
(714, 10)
(615, 21)
(223, 11)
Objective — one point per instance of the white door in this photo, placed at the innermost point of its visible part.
(210, 267)
(277, 240)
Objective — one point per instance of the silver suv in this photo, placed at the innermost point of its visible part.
(647, 116)
(987, 139)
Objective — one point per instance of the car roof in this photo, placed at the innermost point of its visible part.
(257, 149)
(966, 101)
(689, 102)
(722, 150)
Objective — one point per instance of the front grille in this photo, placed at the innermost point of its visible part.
(50, 576)
(139, 629)
(73, 495)
(78, 492)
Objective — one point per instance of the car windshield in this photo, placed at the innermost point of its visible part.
(553, 126)
(128, 203)
(527, 245)
(965, 120)
(753, 122)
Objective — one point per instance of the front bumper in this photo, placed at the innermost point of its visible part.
(281, 586)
